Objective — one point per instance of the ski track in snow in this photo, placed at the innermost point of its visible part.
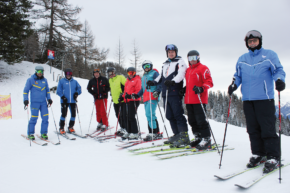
(85, 165)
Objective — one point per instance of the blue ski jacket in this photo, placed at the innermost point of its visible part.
(39, 89)
(256, 72)
(151, 75)
(67, 88)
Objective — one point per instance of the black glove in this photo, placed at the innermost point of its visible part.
(76, 96)
(150, 83)
(182, 91)
(127, 96)
(156, 94)
(169, 83)
(26, 103)
(280, 85)
(64, 100)
(135, 96)
(198, 90)
(121, 98)
(49, 102)
(232, 88)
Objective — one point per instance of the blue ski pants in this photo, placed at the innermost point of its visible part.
(35, 108)
(154, 104)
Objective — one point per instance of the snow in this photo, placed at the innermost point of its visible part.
(86, 165)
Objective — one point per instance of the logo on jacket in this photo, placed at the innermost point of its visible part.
(264, 56)
(43, 82)
(36, 82)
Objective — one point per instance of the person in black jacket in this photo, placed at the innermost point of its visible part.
(99, 87)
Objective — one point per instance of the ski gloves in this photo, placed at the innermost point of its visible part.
(198, 90)
(182, 91)
(121, 98)
(169, 83)
(232, 88)
(150, 83)
(49, 102)
(76, 96)
(280, 85)
(25, 104)
(64, 100)
(155, 94)
(134, 96)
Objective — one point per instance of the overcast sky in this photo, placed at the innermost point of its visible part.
(215, 28)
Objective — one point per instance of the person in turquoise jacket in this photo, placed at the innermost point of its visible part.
(39, 97)
(256, 72)
(150, 74)
(68, 89)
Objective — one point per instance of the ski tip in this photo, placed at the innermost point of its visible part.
(240, 186)
(45, 144)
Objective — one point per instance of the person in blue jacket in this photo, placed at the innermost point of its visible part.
(256, 72)
(39, 97)
(150, 109)
(68, 89)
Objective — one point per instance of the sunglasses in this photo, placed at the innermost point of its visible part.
(146, 66)
(255, 40)
(131, 73)
(68, 73)
(190, 58)
(39, 71)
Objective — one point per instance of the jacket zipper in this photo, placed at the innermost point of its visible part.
(69, 91)
(266, 89)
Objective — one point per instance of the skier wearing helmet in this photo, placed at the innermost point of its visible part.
(132, 86)
(39, 92)
(150, 99)
(198, 81)
(68, 90)
(257, 71)
(99, 87)
(117, 84)
(171, 80)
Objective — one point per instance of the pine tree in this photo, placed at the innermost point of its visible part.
(14, 29)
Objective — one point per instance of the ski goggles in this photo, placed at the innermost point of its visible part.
(110, 73)
(146, 66)
(68, 73)
(131, 73)
(170, 47)
(39, 71)
(254, 33)
(97, 70)
(190, 58)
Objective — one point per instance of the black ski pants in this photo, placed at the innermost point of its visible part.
(72, 108)
(122, 116)
(131, 113)
(197, 120)
(260, 118)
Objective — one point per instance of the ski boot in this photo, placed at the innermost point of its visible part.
(150, 137)
(99, 126)
(133, 136)
(197, 139)
(205, 143)
(271, 164)
(71, 130)
(62, 131)
(121, 132)
(31, 137)
(44, 136)
(182, 141)
(172, 139)
(104, 128)
(256, 160)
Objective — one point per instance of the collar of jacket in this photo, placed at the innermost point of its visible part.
(133, 77)
(36, 77)
(194, 65)
(174, 59)
(68, 79)
(256, 52)
(98, 78)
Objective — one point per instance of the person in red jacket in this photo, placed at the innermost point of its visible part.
(132, 87)
(198, 81)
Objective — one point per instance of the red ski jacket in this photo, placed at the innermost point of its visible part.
(132, 86)
(197, 75)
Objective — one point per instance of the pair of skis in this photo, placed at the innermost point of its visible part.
(251, 181)
(98, 133)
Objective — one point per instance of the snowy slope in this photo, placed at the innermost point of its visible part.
(87, 166)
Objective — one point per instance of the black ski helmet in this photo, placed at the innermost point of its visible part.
(193, 53)
(111, 69)
(97, 70)
(67, 70)
(253, 34)
(131, 69)
(171, 47)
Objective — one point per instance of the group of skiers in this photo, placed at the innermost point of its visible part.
(256, 71)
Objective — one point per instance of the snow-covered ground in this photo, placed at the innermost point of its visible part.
(86, 165)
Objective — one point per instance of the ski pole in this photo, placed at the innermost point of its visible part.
(151, 113)
(26, 108)
(79, 119)
(166, 96)
(55, 125)
(279, 139)
(162, 119)
(91, 118)
(127, 115)
(109, 110)
(118, 120)
(208, 123)
(137, 120)
(106, 115)
(225, 132)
